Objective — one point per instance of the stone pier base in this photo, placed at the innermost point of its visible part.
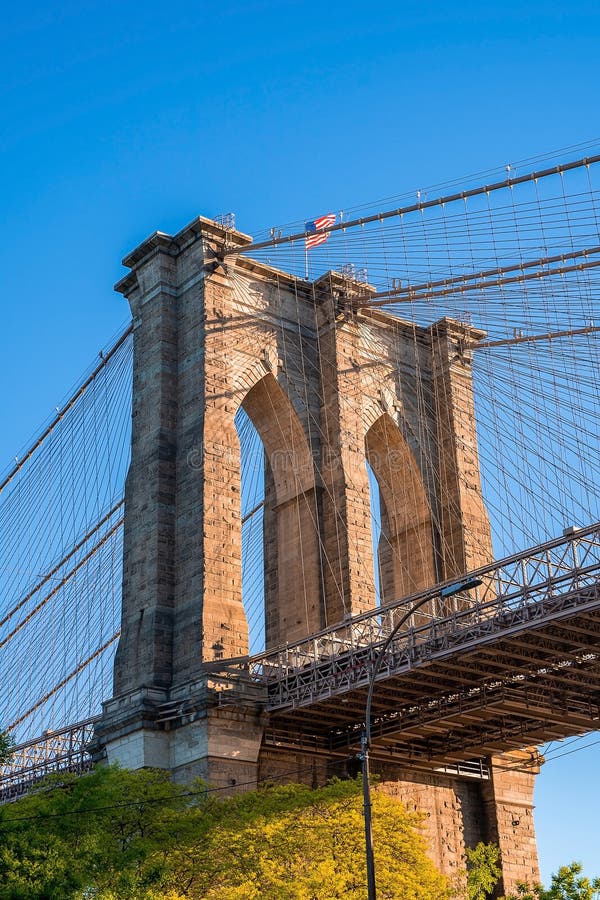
(210, 729)
(458, 811)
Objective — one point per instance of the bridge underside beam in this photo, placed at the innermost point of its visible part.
(526, 688)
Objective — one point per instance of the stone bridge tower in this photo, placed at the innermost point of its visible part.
(328, 388)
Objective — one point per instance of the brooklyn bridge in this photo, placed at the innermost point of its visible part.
(355, 452)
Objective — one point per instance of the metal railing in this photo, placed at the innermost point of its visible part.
(63, 750)
(553, 580)
(548, 581)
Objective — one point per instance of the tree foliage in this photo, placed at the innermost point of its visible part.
(6, 746)
(115, 834)
(567, 884)
(483, 871)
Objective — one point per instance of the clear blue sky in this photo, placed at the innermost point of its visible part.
(122, 118)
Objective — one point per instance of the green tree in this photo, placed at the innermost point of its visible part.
(483, 870)
(6, 746)
(113, 835)
(53, 846)
(567, 884)
(525, 892)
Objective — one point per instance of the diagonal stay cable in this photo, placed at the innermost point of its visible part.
(427, 204)
(57, 687)
(63, 581)
(66, 407)
(49, 575)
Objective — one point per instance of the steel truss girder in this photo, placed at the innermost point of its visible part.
(63, 750)
(534, 621)
(556, 581)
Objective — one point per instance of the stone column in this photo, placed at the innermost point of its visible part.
(144, 655)
(210, 623)
(508, 799)
(182, 602)
(464, 527)
(348, 553)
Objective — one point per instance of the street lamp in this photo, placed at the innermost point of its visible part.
(365, 740)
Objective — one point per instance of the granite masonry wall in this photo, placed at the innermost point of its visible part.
(327, 388)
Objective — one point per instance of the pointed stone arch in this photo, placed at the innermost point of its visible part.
(406, 552)
(293, 595)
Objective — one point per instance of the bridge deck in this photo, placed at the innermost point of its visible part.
(537, 684)
(518, 664)
(515, 663)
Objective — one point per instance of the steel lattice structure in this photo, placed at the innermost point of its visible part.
(536, 614)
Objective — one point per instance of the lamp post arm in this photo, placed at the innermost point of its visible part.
(380, 656)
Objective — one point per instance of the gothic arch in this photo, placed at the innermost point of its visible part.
(406, 548)
(243, 380)
(283, 437)
(291, 535)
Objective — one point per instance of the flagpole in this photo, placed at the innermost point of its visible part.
(312, 230)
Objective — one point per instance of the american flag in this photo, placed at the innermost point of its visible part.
(319, 237)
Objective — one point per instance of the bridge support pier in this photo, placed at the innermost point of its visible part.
(328, 389)
(508, 798)
(210, 729)
(182, 592)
